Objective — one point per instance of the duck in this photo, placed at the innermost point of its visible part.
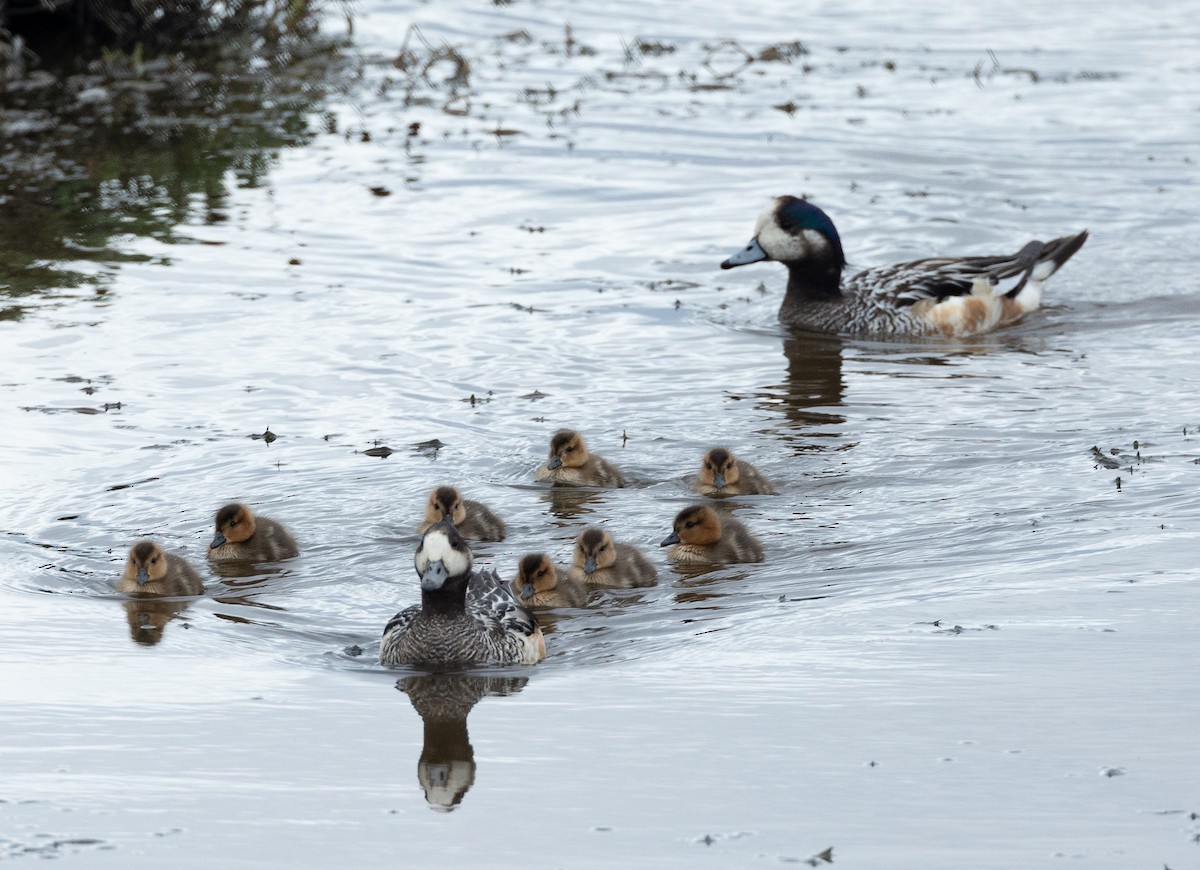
(940, 296)
(243, 537)
(465, 617)
(572, 464)
(474, 521)
(603, 563)
(721, 473)
(151, 571)
(542, 584)
(702, 537)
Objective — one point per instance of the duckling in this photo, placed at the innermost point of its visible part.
(472, 519)
(150, 571)
(606, 564)
(947, 296)
(242, 536)
(465, 617)
(702, 537)
(570, 463)
(541, 583)
(723, 474)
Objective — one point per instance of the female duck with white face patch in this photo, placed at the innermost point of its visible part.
(947, 296)
(465, 617)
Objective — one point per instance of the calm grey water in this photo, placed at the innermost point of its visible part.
(972, 643)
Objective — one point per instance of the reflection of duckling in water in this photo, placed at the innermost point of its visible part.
(148, 617)
(465, 617)
(446, 769)
(540, 583)
(150, 571)
(472, 519)
(604, 563)
(570, 463)
(721, 473)
(702, 537)
(242, 536)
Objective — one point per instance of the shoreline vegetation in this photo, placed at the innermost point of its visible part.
(122, 117)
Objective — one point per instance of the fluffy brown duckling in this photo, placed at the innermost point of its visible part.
(603, 563)
(721, 473)
(570, 463)
(541, 583)
(474, 521)
(243, 537)
(703, 537)
(151, 571)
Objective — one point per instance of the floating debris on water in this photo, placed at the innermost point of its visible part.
(382, 451)
(429, 448)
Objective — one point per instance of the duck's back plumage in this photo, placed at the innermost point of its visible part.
(491, 628)
(949, 296)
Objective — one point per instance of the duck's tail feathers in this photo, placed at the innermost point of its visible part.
(1043, 259)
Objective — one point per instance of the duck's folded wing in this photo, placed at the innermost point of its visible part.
(401, 621)
(491, 602)
(939, 277)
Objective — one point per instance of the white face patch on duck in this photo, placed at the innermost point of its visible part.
(792, 246)
(438, 558)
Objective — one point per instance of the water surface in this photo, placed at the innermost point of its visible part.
(971, 643)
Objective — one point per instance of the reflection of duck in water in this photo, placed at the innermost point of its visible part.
(242, 536)
(947, 296)
(151, 571)
(702, 537)
(541, 583)
(721, 473)
(571, 463)
(465, 617)
(446, 769)
(473, 520)
(603, 563)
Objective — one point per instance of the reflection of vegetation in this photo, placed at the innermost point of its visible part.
(124, 143)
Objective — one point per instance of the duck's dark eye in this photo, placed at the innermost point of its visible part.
(542, 573)
(729, 465)
(688, 524)
(154, 561)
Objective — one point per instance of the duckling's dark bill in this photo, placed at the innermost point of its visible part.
(752, 253)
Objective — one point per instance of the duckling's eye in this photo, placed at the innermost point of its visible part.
(542, 573)
(729, 465)
(688, 524)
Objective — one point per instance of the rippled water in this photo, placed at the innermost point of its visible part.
(972, 642)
